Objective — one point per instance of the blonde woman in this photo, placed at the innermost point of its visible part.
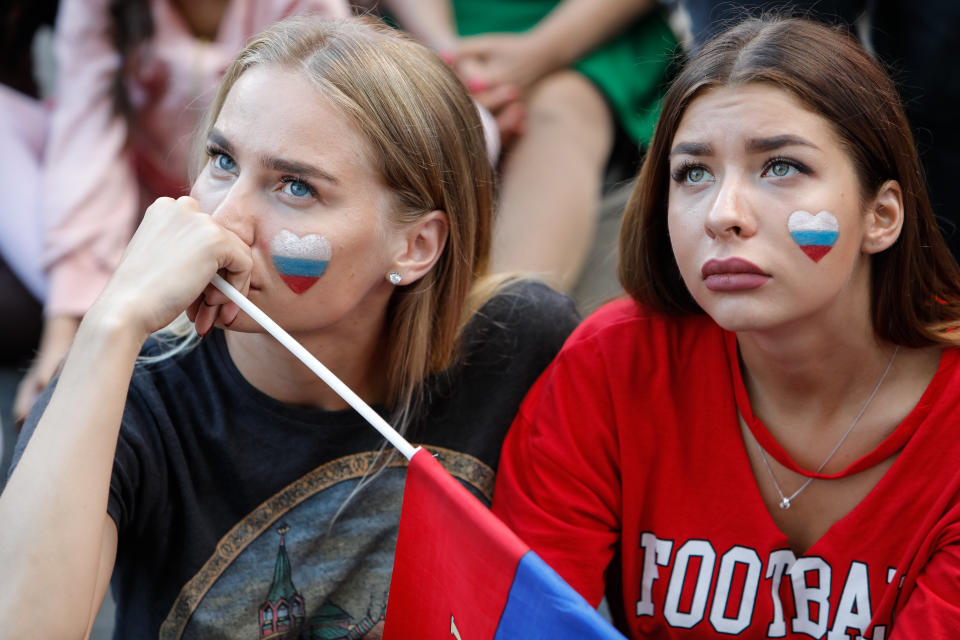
(345, 189)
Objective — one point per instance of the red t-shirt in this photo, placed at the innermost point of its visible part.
(627, 462)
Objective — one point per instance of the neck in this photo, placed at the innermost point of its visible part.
(809, 385)
(358, 358)
(815, 373)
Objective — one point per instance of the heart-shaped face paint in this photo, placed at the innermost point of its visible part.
(300, 261)
(816, 234)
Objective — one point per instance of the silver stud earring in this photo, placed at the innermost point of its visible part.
(394, 277)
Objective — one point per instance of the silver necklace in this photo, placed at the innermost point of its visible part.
(786, 500)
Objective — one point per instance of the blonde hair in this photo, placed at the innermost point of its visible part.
(427, 140)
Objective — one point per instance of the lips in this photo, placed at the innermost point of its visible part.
(732, 274)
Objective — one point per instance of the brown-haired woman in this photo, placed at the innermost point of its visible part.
(763, 439)
(345, 188)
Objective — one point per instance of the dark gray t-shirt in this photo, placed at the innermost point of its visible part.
(224, 497)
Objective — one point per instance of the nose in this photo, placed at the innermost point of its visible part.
(730, 214)
(236, 211)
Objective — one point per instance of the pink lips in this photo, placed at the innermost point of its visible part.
(732, 274)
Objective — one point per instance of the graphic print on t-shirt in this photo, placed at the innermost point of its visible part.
(279, 569)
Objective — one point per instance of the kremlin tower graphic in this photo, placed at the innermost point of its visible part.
(283, 613)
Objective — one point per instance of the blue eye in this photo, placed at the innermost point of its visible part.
(689, 173)
(298, 188)
(781, 169)
(784, 168)
(224, 162)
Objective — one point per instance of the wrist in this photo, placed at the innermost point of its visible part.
(550, 49)
(110, 322)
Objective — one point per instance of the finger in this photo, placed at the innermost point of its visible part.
(27, 394)
(213, 297)
(512, 120)
(499, 97)
(241, 282)
(206, 316)
(480, 46)
(226, 310)
(193, 308)
(228, 314)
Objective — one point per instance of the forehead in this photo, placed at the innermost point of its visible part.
(752, 110)
(276, 111)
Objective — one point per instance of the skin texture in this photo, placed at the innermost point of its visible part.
(743, 160)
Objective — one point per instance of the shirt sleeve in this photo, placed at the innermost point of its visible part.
(933, 608)
(558, 483)
(134, 462)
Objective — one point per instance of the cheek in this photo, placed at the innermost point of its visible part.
(684, 233)
(208, 193)
(814, 234)
(300, 259)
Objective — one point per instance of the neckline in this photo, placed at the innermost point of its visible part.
(347, 417)
(894, 442)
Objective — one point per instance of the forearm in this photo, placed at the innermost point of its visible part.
(575, 27)
(430, 21)
(56, 499)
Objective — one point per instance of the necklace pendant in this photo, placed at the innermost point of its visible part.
(785, 503)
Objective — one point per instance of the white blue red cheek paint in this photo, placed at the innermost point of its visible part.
(816, 234)
(300, 260)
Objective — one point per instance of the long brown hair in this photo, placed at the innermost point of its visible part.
(915, 284)
(426, 135)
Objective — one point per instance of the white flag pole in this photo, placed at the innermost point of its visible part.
(316, 366)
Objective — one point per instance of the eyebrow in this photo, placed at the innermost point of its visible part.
(692, 149)
(759, 145)
(274, 163)
(753, 145)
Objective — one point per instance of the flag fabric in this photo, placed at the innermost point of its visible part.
(460, 573)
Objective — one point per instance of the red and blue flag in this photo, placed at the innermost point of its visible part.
(460, 573)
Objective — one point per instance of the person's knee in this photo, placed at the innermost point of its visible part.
(567, 103)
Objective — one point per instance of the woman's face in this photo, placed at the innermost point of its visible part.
(765, 212)
(291, 176)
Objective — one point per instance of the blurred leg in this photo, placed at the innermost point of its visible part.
(551, 180)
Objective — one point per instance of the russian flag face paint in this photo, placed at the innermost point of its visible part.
(816, 234)
(300, 261)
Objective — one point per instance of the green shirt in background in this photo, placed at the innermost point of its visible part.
(631, 69)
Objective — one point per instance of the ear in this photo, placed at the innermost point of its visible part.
(883, 219)
(422, 244)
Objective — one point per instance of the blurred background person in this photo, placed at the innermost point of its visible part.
(575, 88)
(133, 77)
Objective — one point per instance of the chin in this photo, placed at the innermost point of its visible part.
(740, 316)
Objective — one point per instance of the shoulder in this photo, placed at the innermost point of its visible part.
(171, 375)
(520, 298)
(524, 310)
(514, 335)
(629, 341)
(625, 319)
